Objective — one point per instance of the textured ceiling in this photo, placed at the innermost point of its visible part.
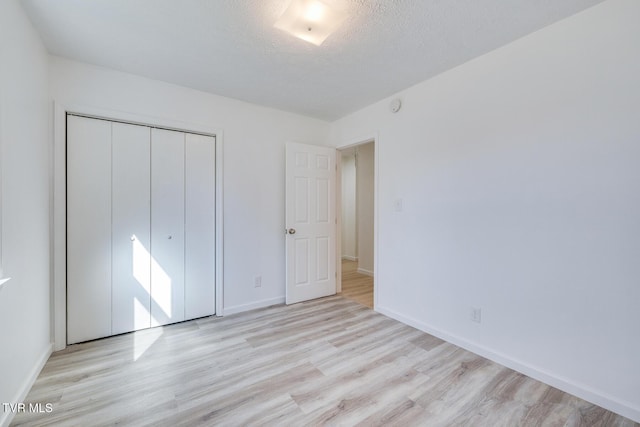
(230, 47)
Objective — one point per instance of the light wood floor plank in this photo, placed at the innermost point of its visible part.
(356, 286)
(331, 361)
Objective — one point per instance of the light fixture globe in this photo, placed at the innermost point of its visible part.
(310, 20)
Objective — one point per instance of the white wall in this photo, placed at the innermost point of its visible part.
(24, 155)
(519, 173)
(349, 223)
(365, 198)
(254, 140)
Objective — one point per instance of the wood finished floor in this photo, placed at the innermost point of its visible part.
(356, 286)
(325, 362)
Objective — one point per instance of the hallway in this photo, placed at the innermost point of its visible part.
(356, 286)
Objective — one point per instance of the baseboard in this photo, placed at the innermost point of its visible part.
(349, 258)
(626, 409)
(6, 417)
(365, 272)
(252, 306)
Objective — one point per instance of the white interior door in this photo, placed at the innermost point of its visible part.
(311, 222)
(141, 218)
(167, 227)
(89, 229)
(131, 229)
(200, 237)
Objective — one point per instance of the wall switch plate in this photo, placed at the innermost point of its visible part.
(476, 315)
(257, 281)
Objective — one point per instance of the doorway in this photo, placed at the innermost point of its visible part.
(357, 212)
(140, 227)
(59, 273)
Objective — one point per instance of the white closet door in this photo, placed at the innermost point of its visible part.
(88, 229)
(167, 227)
(131, 289)
(200, 226)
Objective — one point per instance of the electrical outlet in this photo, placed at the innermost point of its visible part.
(476, 315)
(257, 281)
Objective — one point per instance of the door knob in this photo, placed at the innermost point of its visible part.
(292, 231)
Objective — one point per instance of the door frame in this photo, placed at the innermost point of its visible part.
(352, 143)
(58, 203)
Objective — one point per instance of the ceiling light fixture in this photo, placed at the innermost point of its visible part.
(310, 20)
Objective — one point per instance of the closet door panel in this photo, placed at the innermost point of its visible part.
(199, 226)
(131, 240)
(88, 229)
(167, 227)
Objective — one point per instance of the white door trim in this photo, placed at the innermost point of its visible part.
(367, 138)
(59, 201)
(338, 221)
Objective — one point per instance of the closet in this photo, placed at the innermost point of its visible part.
(140, 227)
